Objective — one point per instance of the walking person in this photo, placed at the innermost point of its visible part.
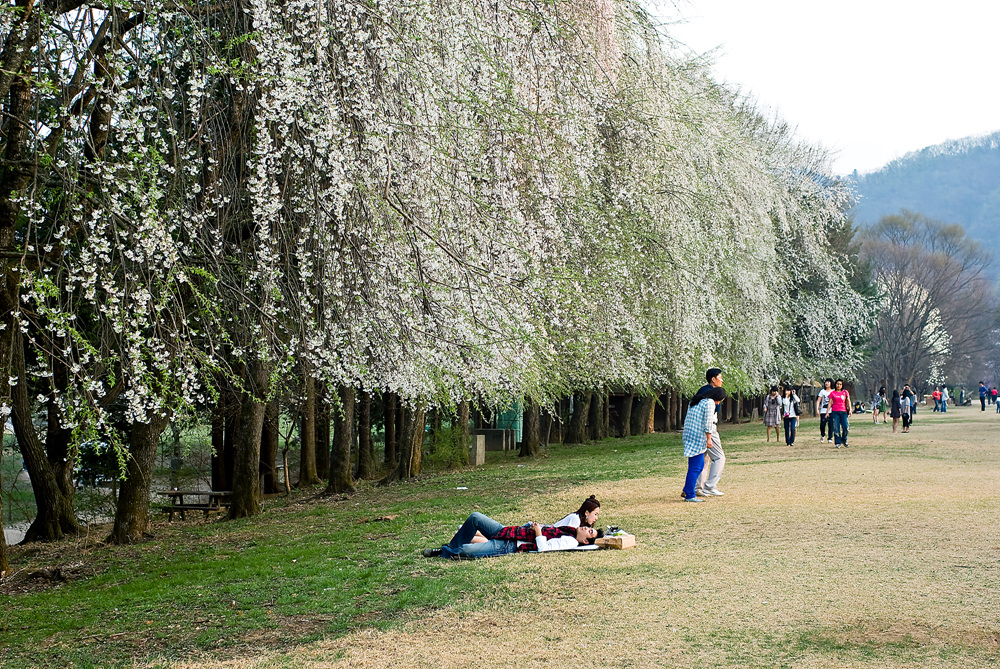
(772, 413)
(790, 410)
(710, 475)
(878, 405)
(840, 404)
(697, 436)
(982, 395)
(906, 410)
(823, 409)
(937, 398)
(895, 410)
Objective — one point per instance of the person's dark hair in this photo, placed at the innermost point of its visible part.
(881, 391)
(715, 394)
(841, 382)
(828, 380)
(711, 373)
(895, 393)
(773, 389)
(589, 504)
(600, 535)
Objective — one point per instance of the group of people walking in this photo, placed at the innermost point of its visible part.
(833, 406)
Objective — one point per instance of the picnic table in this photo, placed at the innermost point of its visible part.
(209, 501)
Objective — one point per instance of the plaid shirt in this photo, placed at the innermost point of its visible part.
(697, 424)
(527, 535)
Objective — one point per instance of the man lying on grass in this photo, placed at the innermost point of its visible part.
(502, 540)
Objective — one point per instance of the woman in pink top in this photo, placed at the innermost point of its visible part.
(840, 408)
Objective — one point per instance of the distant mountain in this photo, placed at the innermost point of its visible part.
(954, 182)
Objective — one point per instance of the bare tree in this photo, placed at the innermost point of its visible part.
(936, 303)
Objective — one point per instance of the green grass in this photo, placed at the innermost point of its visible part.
(307, 567)
(311, 567)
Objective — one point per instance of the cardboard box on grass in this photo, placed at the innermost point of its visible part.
(621, 541)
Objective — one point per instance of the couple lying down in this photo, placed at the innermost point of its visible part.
(480, 536)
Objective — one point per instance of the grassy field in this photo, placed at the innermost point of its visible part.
(882, 555)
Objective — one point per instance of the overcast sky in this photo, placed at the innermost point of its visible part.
(870, 79)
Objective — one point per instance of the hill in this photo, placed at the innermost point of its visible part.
(954, 182)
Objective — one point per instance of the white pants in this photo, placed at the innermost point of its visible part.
(710, 475)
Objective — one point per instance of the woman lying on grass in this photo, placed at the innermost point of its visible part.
(502, 540)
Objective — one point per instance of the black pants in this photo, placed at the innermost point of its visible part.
(906, 421)
(825, 421)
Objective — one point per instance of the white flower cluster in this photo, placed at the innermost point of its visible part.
(443, 199)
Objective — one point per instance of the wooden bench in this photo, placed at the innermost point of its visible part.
(218, 500)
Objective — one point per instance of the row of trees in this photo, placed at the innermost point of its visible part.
(214, 204)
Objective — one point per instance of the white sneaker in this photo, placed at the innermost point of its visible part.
(829, 441)
(714, 491)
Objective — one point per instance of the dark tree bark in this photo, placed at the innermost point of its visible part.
(341, 480)
(640, 415)
(269, 440)
(4, 560)
(223, 434)
(247, 496)
(132, 512)
(412, 448)
(462, 423)
(626, 415)
(531, 430)
(389, 418)
(322, 434)
(366, 456)
(55, 518)
(577, 431)
(595, 416)
(307, 437)
(13, 181)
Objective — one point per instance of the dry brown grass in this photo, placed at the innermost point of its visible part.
(882, 555)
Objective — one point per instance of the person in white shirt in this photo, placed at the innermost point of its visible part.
(585, 516)
(823, 409)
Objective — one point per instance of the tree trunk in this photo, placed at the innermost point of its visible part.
(626, 415)
(4, 560)
(577, 431)
(56, 517)
(223, 431)
(640, 415)
(322, 435)
(464, 436)
(412, 448)
(269, 439)
(341, 480)
(132, 511)
(531, 432)
(366, 456)
(247, 494)
(595, 416)
(389, 418)
(307, 437)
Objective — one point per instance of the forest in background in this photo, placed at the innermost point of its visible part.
(955, 182)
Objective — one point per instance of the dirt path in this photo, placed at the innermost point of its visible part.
(886, 554)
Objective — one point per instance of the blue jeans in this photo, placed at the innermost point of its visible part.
(840, 427)
(790, 425)
(944, 406)
(459, 546)
(695, 464)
